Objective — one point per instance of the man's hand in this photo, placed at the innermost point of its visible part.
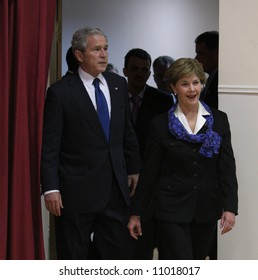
(53, 202)
(134, 227)
(132, 183)
(227, 222)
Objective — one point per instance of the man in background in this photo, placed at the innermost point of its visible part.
(146, 102)
(207, 53)
(71, 62)
(160, 66)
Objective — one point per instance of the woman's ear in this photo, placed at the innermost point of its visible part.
(171, 87)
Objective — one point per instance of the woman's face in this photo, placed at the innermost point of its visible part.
(188, 90)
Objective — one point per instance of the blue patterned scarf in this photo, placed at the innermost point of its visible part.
(210, 139)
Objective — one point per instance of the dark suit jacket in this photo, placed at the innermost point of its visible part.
(76, 157)
(210, 94)
(186, 185)
(154, 103)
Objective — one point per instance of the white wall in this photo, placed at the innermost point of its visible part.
(238, 86)
(164, 27)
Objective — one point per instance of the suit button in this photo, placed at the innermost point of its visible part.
(194, 162)
(195, 175)
(195, 187)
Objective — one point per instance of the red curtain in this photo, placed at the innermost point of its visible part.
(26, 31)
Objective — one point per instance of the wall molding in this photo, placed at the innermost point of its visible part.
(236, 89)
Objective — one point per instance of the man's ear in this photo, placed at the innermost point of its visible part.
(125, 72)
(78, 55)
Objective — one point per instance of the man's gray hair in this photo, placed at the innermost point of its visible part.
(80, 37)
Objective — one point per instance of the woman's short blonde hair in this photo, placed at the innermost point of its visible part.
(184, 67)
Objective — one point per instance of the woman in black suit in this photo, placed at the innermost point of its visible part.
(189, 170)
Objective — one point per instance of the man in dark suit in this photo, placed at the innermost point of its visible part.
(207, 53)
(151, 102)
(90, 160)
(71, 62)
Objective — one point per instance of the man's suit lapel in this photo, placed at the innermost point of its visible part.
(85, 105)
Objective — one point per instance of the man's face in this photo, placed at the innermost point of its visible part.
(208, 58)
(137, 72)
(95, 58)
(159, 77)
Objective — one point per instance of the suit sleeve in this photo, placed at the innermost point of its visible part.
(227, 170)
(51, 142)
(150, 172)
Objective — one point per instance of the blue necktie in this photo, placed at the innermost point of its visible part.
(102, 107)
